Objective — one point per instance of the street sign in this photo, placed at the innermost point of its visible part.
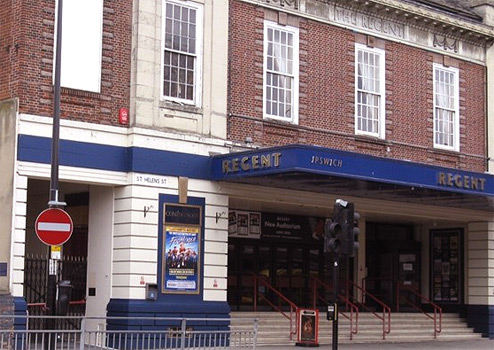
(54, 226)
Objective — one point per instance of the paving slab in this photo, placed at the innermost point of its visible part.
(477, 344)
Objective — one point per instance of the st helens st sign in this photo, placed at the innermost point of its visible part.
(54, 226)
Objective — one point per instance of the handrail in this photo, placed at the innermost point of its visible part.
(292, 317)
(316, 283)
(437, 309)
(386, 310)
(43, 305)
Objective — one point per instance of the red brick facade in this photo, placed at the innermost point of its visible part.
(26, 58)
(326, 96)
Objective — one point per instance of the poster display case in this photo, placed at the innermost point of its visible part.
(447, 266)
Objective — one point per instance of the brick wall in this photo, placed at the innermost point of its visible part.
(326, 98)
(7, 48)
(30, 58)
(6, 308)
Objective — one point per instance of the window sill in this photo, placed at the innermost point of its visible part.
(79, 93)
(371, 139)
(280, 122)
(180, 107)
(443, 151)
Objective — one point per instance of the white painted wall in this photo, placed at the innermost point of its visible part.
(100, 242)
(135, 249)
(480, 263)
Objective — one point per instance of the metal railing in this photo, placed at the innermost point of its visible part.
(385, 316)
(353, 317)
(155, 333)
(293, 309)
(437, 311)
(72, 268)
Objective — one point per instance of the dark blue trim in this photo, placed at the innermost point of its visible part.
(76, 154)
(114, 158)
(292, 158)
(325, 161)
(481, 319)
(163, 308)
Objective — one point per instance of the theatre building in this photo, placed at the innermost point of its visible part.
(382, 104)
(205, 145)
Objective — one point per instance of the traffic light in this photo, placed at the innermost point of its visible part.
(351, 230)
(332, 230)
(341, 232)
(334, 234)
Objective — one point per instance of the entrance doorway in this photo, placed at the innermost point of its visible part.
(393, 261)
(73, 262)
(286, 266)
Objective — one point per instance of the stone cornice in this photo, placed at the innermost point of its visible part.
(422, 16)
(408, 13)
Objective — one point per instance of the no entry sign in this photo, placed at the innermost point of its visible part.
(54, 226)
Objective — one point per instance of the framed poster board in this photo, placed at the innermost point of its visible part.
(447, 265)
(181, 249)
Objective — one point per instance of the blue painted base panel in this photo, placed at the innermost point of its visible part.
(132, 310)
(481, 319)
(200, 320)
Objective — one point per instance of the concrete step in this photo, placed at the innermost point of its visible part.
(273, 328)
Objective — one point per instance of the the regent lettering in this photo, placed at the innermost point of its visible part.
(247, 163)
(330, 162)
(375, 24)
(461, 181)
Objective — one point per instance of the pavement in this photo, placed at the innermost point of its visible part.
(478, 344)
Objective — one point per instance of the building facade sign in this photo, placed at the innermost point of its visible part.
(181, 249)
(381, 26)
(256, 225)
(366, 22)
(467, 182)
(324, 161)
(251, 162)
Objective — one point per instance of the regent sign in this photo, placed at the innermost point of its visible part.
(461, 181)
(251, 162)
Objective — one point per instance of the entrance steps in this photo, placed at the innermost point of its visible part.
(274, 328)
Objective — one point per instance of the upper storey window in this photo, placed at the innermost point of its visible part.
(81, 44)
(446, 108)
(369, 91)
(182, 49)
(281, 72)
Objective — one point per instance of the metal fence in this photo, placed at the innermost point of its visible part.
(103, 333)
(72, 268)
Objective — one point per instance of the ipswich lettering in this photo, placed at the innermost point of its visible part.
(331, 162)
(461, 181)
(248, 163)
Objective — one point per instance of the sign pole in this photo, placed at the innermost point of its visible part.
(336, 286)
(53, 201)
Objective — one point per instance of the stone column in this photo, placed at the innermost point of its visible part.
(480, 277)
(8, 114)
(485, 9)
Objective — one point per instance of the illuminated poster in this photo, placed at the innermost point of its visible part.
(446, 265)
(181, 259)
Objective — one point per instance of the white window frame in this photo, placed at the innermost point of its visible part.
(454, 107)
(380, 131)
(197, 88)
(294, 75)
